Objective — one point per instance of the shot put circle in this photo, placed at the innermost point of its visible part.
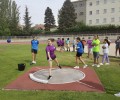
(59, 76)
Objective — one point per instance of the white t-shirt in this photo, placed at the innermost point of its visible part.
(106, 50)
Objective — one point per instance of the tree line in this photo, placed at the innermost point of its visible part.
(10, 20)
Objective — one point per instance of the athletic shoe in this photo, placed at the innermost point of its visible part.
(117, 94)
(101, 63)
(94, 65)
(34, 62)
(59, 66)
(76, 67)
(49, 77)
(85, 66)
(98, 65)
(107, 64)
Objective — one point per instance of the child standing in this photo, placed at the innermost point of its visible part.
(34, 49)
(105, 52)
(68, 44)
(80, 51)
(89, 42)
(96, 50)
(50, 49)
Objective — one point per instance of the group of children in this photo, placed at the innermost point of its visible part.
(78, 46)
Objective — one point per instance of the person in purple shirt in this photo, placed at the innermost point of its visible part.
(62, 44)
(50, 53)
(89, 43)
(58, 42)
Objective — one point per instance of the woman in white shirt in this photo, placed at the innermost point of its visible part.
(105, 48)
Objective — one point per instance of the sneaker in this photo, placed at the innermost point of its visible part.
(101, 63)
(98, 65)
(94, 65)
(76, 67)
(49, 77)
(117, 94)
(59, 66)
(85, 66)
(107, 64)
(34, 62)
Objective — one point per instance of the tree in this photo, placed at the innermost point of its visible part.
(14, 18)
(66, 16)
(49, 19)
(27, 21)
(9, 17)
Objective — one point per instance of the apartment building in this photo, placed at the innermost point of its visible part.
(98, 12)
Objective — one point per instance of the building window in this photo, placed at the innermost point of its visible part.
(90, 4)
(81, 13)
(81, 5)
(90, 13)
(90, 22)
(97, 11)
(119, 9)
(76, 14)
(105, 1)
(97, 21)
(112, 10)
(105, 11)
(113, 1)
(104, 20)
(97, 2)
(112, 19)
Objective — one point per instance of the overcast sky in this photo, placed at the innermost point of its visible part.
(37, 9)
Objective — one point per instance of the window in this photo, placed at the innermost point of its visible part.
(112, 10)
(104, 20)
(97, 2)
(97, 21)
(81, 13)
(81, 4)
(90, 13)
(105, 1)
(112, 19)
(113, 1)
(90, 4)
(90, 22)
(105, 11)
(76, 14)
(119, 19)
(97, 11)
(119, 9)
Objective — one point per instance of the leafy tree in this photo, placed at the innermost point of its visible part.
(14, 18)
(9, 17)
(27, 21)
(66, 16)
(49, 19)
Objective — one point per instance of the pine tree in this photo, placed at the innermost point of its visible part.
(27, 21)
(49, 19)
(66, 16)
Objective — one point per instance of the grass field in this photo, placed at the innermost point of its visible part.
(12, 54)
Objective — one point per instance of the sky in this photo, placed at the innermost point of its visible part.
(37, 9)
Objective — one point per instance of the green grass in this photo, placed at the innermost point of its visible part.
(11, 55)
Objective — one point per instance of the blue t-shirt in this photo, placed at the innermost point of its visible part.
(80, 47)
(34, 44)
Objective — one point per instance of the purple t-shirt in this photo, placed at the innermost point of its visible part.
(89, 42)
(62, 42)
(58, 42)
(51, 50)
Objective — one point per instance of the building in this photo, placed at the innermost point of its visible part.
(98, 12)
(39, 27)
